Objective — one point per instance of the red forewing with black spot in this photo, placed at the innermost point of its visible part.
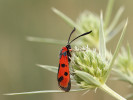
(63, 76)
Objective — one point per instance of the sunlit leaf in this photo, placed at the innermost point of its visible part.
(67, 19)
(117, 49)
(49, 68)
(115, 31)
(108, 13)
(115, 20)
(46, 40)
(123, 77)
(44, 91)
(87, 77)
(102, 44)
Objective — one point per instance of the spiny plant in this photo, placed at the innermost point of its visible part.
(91, 68)
(124, 67)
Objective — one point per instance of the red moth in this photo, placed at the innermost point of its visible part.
(63, 75)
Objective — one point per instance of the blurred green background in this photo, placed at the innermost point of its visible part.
(18, 57)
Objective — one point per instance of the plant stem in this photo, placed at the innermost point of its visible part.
(108, 90)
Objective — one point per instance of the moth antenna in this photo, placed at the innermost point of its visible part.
(80, 36)
(71, 34)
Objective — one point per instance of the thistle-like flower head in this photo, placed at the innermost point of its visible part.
(124, 65)
(89, 21)
(87, 62)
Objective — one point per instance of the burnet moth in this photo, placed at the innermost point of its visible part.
(63, 75)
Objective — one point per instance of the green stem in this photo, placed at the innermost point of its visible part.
(108, 90)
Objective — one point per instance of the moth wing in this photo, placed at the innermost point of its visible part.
(63, 76)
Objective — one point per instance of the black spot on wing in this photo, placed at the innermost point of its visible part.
(66, 73)
(63, 65)
(60, 79)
